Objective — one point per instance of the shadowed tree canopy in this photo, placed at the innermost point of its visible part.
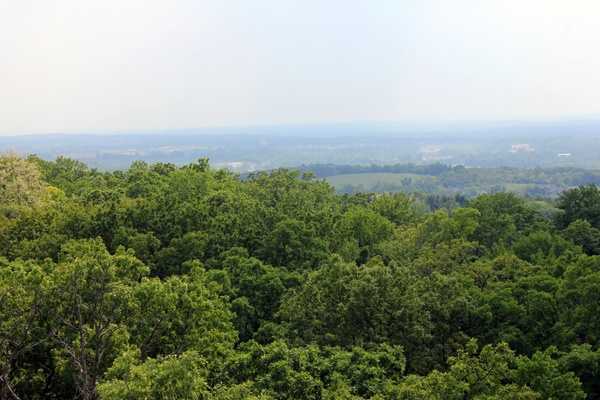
(581, 203)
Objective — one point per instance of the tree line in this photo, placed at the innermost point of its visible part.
(192, 283)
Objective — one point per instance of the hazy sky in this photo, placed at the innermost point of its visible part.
(86, 66)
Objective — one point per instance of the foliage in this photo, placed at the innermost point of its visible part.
(582, 203)
(172, 377)
(189, 282)
(20, 183)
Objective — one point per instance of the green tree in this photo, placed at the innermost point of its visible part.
(541, 373)
(257, 291)
(281, 371)
(584, 361)
(310, 372)
(364, 372)
(171, 260)
(503, 216)
(182, 313)
(92, 303)
(342, 304)
(579, 298)
(22, 305)
(72, 176)
(470, 376)
(291, 244)
(544, 248)
(172, 377)
(141, 180)
(234, 220)
(358, 230)
(396, 208)
(580, 203)
(583, 234)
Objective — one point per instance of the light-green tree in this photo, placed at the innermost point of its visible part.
(181, 377)
(470, 376)
(20, 183)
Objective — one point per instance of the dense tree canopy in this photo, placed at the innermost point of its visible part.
(582, 203)
(188, 282)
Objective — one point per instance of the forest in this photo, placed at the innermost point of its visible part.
(187, 282)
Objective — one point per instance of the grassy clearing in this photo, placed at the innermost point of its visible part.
(368, 181)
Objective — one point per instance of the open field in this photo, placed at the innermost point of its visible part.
(373, 181)
(485, 181)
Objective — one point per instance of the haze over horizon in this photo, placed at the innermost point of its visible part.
(97, 66)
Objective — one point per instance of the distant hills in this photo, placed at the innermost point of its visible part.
(522, 143)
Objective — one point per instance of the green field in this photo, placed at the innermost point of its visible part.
(370, 181)
(408, 182)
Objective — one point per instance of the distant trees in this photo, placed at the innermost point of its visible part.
(324, 170)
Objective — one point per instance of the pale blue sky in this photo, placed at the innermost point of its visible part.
(116, 65)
